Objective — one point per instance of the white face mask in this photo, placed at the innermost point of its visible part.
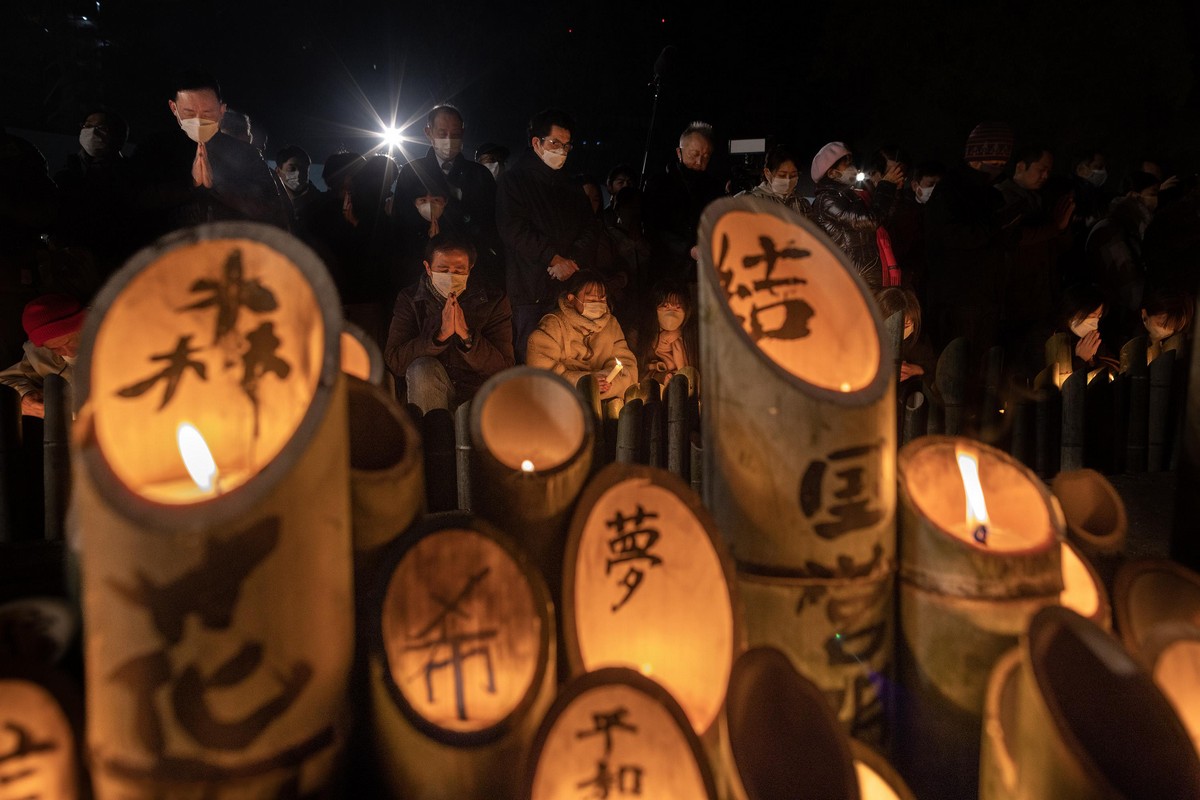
(494, 168)
(783, 186)
(291, 179)
(198, 129)
(1098, 177)
(1156, 331)
(92, 144)
(447, 149)
(923, 193)
(1083, 328)
(595, 310)
(554, 159)
(848, 176)
(429, 210)
(669, 319)
(448, 284)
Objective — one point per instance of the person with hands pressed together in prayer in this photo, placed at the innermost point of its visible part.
(449, 333)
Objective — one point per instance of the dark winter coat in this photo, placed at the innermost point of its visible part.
(853, 225)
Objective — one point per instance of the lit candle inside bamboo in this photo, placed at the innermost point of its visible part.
(977, 514)
(612, 373)
(211, 479)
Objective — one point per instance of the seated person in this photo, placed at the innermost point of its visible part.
(1166, 311)
(449, 334)
(916, 353)
(52, 322)
(583, 337)
(667, 337)
(1083, 306)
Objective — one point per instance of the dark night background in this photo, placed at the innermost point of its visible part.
(1114, 73)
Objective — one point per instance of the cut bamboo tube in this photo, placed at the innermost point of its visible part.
(877, 778)
(11, 472)
(41, 743)
(1172, 656)
(441, 461)
(997, 767)
(1047, 424)
(1096, 519)
(629, 433)
(678, 424)
(993, 404)
(951, 382)
(916, 417)
(463, 660)
(1134, 366)
(463, 453)
(1185, 545)
(648, 585)
(1159, 428)
(617, 729)
(190, 582)
(532, 437)
(1083, 589)
(696, 467)
(1151, 592)
(361, 357)
(1074, 393)
(56, 443)
(1069, 746)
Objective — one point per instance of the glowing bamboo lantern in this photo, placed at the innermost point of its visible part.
(1159, 430)
(40, 722)
(1091, 723)
(647, 586)
(877, 778)
(1172, 655)
(1059, 353)
(532, 439)
(464, 665)
(799, 431)
(781, 738)
(207, 669)
(360, 355)
(979, 555)
(1096, 521)
(997, 769)
(615, 733)
(1083, 590)
(1149, 593)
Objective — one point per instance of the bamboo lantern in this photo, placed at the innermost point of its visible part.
(647, 585)
(387, 477)
(877, 779)
(1159, 430)
(40, 722)
(1172, 655)
(360, 355)
(56, 464)
(951, 382)
(997, 769)
(615, 733)
(979, 555)
(1047, 423)
(1059, 354)
(1096, 521)
(217, 594)
(462, 454)
(780, 736)
(1185, 545)
(464, 665)
(1074, 422)
(532, 437)
(799, 436)
(1083, 590)
(1149, 593)
(1135, 369)
(1091, 723)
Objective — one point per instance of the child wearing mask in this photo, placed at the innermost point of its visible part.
(1165, 312)
(583, 337)
(666, 336)
(1082, 309)
(916, 353)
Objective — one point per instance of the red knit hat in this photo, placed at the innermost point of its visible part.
(50, 316)
(990, 141)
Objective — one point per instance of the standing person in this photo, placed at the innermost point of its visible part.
(619, 177)
(291, 165)
(964, 227)
(844, 214)
(545, 223)
(582, 336)
(493, 156)
(674, 201)
(467, 193)
(449, 332)
(198, 174)
(780, 177)
(95, 194)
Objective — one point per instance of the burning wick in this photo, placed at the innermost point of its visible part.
(197, 458)
(977, 513)
(613, 373)
(527, 466)
(845, 387)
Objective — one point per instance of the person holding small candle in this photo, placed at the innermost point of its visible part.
(52, 322)
(583, 337)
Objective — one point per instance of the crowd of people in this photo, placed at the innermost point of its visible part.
(461, 267)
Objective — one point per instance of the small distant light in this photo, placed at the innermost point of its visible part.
(845, 387)
(85, 19)
(664, 19)
(570, 30)
(860, 177)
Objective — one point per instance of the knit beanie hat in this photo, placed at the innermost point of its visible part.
(990, 141)
(50, 316)
(826, 157)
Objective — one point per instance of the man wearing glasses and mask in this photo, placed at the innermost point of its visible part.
(545, 223)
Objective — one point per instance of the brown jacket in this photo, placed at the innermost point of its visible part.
(571, 345)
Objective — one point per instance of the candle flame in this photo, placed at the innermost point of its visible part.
(845, 387)
(619, 364)
(977, 513)
(527, 466)
(196, 456)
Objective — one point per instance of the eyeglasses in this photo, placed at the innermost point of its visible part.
(555, 144)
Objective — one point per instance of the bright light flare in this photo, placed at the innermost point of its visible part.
(527, 466)
(977, 513)
(392, 137)
(860, 177)
(196, 456)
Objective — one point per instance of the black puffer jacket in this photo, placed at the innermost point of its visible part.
(851, 223)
